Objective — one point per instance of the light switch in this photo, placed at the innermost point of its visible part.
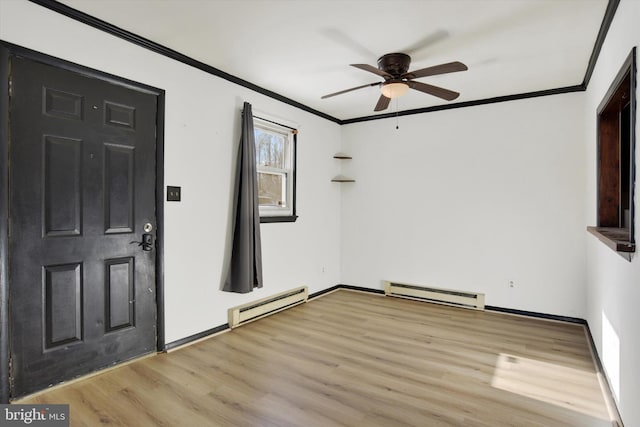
(173, 194)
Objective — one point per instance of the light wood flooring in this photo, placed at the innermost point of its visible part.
(356, 359)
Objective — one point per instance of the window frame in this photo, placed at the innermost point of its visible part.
(272, 214)
(616, 163)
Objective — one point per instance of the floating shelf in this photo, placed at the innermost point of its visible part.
(342, 178)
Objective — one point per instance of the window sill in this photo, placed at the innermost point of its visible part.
(615, 238)
(268, 219)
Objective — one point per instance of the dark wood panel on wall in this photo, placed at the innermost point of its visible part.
(609, 171)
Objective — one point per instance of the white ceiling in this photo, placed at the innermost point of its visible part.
(301, 49)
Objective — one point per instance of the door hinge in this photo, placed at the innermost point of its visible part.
(10, 86)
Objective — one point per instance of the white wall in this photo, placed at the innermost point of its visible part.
(613, 282)
(465, 199)
(201, 133)
(469, 199)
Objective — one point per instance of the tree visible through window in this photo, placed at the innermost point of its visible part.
(275, 159)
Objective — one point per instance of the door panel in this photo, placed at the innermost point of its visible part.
(63, 304)
(119, 178)
(82, 170)
(62, 185)
(120, 289)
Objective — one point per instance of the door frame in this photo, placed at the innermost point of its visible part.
(7, 50)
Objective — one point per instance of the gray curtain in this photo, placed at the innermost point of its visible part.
(245, 271)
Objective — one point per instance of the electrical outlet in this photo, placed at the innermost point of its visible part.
(512, 283)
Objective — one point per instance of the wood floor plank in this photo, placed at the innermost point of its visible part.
(357, 359)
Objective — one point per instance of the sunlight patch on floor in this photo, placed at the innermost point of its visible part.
(611, 354)
(550, 383)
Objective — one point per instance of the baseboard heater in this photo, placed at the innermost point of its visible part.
(266, 306)
(440, 296)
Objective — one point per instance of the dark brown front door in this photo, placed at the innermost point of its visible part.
(82, 188)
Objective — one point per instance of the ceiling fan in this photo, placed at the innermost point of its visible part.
(393, 67)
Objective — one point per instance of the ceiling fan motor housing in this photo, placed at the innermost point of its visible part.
(395, 64)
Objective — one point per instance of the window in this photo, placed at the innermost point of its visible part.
(276, 163)
(616, 165)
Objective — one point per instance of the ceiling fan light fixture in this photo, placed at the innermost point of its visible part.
(394, 89)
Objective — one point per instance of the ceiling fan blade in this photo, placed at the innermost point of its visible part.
(372, 69)
(383, 103)
(343, 39)
(450, 67)
(349, 90)
(447, 94)
(425, 42)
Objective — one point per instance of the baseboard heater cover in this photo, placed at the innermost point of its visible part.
(255, 310)
(473, 300)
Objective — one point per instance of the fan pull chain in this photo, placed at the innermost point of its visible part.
(397, 127)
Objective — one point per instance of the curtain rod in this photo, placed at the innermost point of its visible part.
(294, 130)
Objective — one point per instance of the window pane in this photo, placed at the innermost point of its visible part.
(270, 149)
(271, 189)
